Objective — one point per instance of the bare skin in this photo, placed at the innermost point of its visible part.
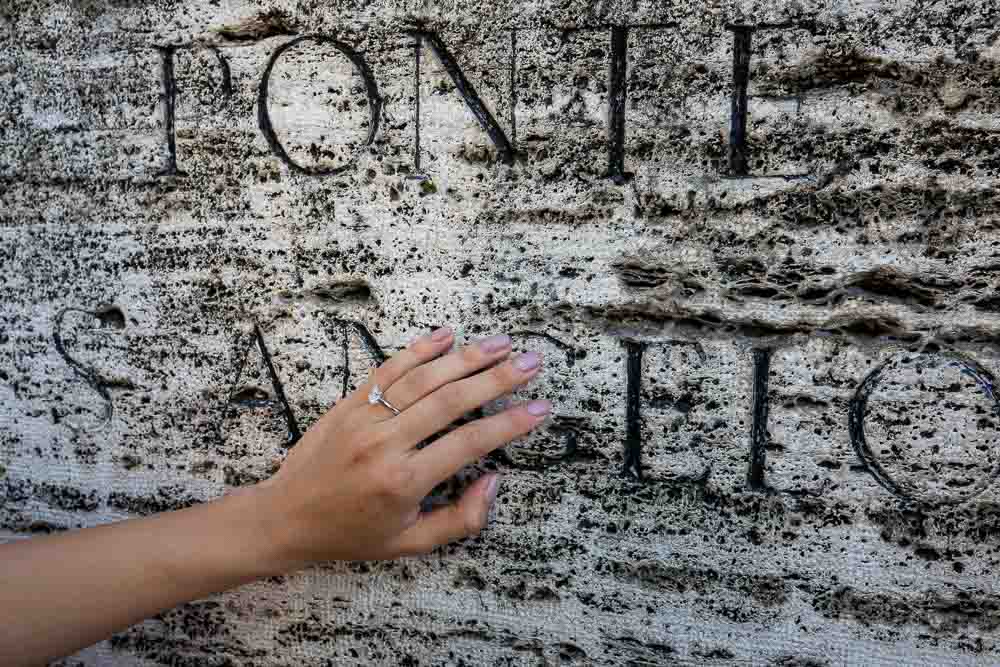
(349, 490)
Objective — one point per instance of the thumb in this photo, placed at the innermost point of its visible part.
(464, 518)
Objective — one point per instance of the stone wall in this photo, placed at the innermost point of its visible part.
(757, 243)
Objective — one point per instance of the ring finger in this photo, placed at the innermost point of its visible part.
(419, 351)
(427, 378)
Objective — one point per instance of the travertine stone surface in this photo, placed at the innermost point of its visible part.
(771, 354)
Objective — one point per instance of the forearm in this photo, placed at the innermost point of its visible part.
(351, 489)
(63, 592)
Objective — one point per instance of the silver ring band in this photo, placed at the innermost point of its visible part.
(376, 396)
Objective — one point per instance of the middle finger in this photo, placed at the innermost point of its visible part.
(427, 378)
(442, 407)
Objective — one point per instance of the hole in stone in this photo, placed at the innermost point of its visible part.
(346, 290)
(111, 317)
(250, 397)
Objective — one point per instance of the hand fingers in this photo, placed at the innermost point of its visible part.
(431, 414)
(461, 363)
(420, 350)
(472, 441)
(453, 522)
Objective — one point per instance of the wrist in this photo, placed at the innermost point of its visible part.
(260, 530)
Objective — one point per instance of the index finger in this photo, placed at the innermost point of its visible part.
(442, 407)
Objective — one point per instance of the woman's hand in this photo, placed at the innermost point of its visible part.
(351, 488)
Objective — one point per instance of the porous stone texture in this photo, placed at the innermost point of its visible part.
(770, 353)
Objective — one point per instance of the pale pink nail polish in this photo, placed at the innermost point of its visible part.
(495, 343)
(492, 487)
(527, 361)
(539, 408)
(440, 334)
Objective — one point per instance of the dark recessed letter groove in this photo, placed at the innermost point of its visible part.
(417, 47)
(632, 466)
(294, 433)
(169, 102)
(616, 104)
(170, 99)
(471, 97)
(856, 428)
(738, 159)
(264, 116)
(89, 375)
(758, 426)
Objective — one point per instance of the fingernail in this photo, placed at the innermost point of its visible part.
(440, 334)
(492, 487)
(527, 361)
(539, 408)
(495, 343)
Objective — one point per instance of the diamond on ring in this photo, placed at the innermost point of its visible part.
(376, 396)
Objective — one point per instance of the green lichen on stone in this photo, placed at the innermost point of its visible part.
(427, 187)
